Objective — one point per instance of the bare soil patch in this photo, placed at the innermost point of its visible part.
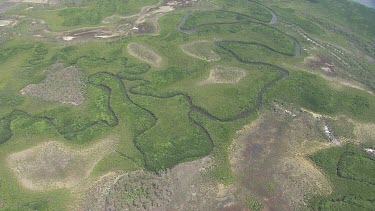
(321, 63)
(52, 165)
(64, 85)
(269, 157)
(145, 54)
(224, 75)
(201, 49)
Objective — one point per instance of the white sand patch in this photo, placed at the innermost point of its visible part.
(68, 38)
(105, 36)
(5, 23)
(29, 8)
(370, 151)
(315, 115)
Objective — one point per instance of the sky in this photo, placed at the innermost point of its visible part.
(369, 3)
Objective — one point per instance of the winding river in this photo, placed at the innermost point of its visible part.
(283, 72)
(192, 107)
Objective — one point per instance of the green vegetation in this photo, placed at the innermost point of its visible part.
(354, 167)
(134, 70)
(252, 51)
(342, 14)
(351, 173)
(173, 112)
(335, 23)
(139, 190)
(87, 13)
(312, 92)
(243, 30)
(225, 101)
(351, 14)
(254, 204)
(210, 17)
(175, 138)
(251, 8)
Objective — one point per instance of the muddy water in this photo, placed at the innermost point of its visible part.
(182, 22)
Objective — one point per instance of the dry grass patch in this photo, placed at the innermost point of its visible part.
(224, 75)
(140, 190)
(201, 49)
(91, 195)
(145, 54)
(270, 159)
(127, 191)
(364, 132)
(64, 85)
(175, 189)
(301, 176)
(53, 165)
